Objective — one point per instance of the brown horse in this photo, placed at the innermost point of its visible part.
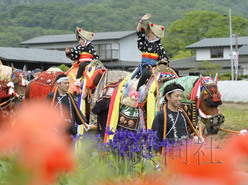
(201, 101)
(209, 100)
(11, 89)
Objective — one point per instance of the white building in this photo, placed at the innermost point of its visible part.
(217, 51)
(115, 49)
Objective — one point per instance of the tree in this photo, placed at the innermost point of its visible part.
(206, 68)
(197, 25)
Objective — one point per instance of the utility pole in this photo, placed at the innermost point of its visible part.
(236, 48)
(231, 46)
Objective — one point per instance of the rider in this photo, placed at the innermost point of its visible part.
(83, 53)
(150, 46)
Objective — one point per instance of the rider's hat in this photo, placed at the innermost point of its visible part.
(85, 34)
(158, 30)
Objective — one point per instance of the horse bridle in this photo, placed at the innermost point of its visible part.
(212, 122)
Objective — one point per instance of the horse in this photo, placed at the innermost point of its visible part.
(42, 85)
(95, 78)
(12, 87)
(203, 103)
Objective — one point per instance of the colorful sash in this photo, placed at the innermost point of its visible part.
(85, 57)
(150, 55)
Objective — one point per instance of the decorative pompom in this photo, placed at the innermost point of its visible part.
(151, 24)
(162, 28)
(79, 29)
(92, 34)
(143, 29)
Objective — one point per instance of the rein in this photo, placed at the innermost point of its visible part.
(81, 119)
(9, 100)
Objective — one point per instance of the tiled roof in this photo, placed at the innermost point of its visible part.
(34, 55)
(72, 38)
(217, 42)
(190, 62)
(243, 50)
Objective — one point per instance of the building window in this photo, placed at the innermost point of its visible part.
(104, 51)
(216, 52)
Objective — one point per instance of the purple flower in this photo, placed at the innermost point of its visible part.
(109, 132)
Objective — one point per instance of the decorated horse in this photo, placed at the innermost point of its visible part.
(95, 78)
(131, 110)
(42, 85)
(12, 87)
(201, 101)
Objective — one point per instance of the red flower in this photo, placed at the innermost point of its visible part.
(162, 28)
(37, 141)
(221, 170)
(92, 34)
(79, 29)
(151, 24)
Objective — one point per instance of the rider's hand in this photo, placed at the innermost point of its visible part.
(163, 61)
(67, 52)
(146, 16)
(67, 49)
(198, 139)
(243, 132)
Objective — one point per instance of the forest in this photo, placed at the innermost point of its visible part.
(185, 21)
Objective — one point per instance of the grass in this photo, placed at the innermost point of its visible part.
(234, 120)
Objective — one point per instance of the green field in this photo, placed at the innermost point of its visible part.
(235, 119)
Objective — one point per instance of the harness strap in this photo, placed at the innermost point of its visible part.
(1, 104)
(81, 119)
(164, 134)
(54, 96)
(190, 123)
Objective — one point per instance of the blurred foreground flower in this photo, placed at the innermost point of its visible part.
(211, 164)
(38, 142)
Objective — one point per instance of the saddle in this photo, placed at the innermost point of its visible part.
(42, 84)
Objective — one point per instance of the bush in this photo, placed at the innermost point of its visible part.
(225, 76)
(64, 67)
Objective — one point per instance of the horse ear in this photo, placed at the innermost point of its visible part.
(216, 78)
(12, 66)
(24, 69)
(202, 80)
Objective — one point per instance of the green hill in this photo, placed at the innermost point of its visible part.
(25, 19)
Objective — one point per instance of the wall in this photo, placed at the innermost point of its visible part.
(128, 49)
(204, 54)
(234, 91)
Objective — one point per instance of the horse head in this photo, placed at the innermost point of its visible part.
(18, 84)
(208, 100)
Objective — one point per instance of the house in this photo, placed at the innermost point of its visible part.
(216, 51)
(32, 58)
(115, 49)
